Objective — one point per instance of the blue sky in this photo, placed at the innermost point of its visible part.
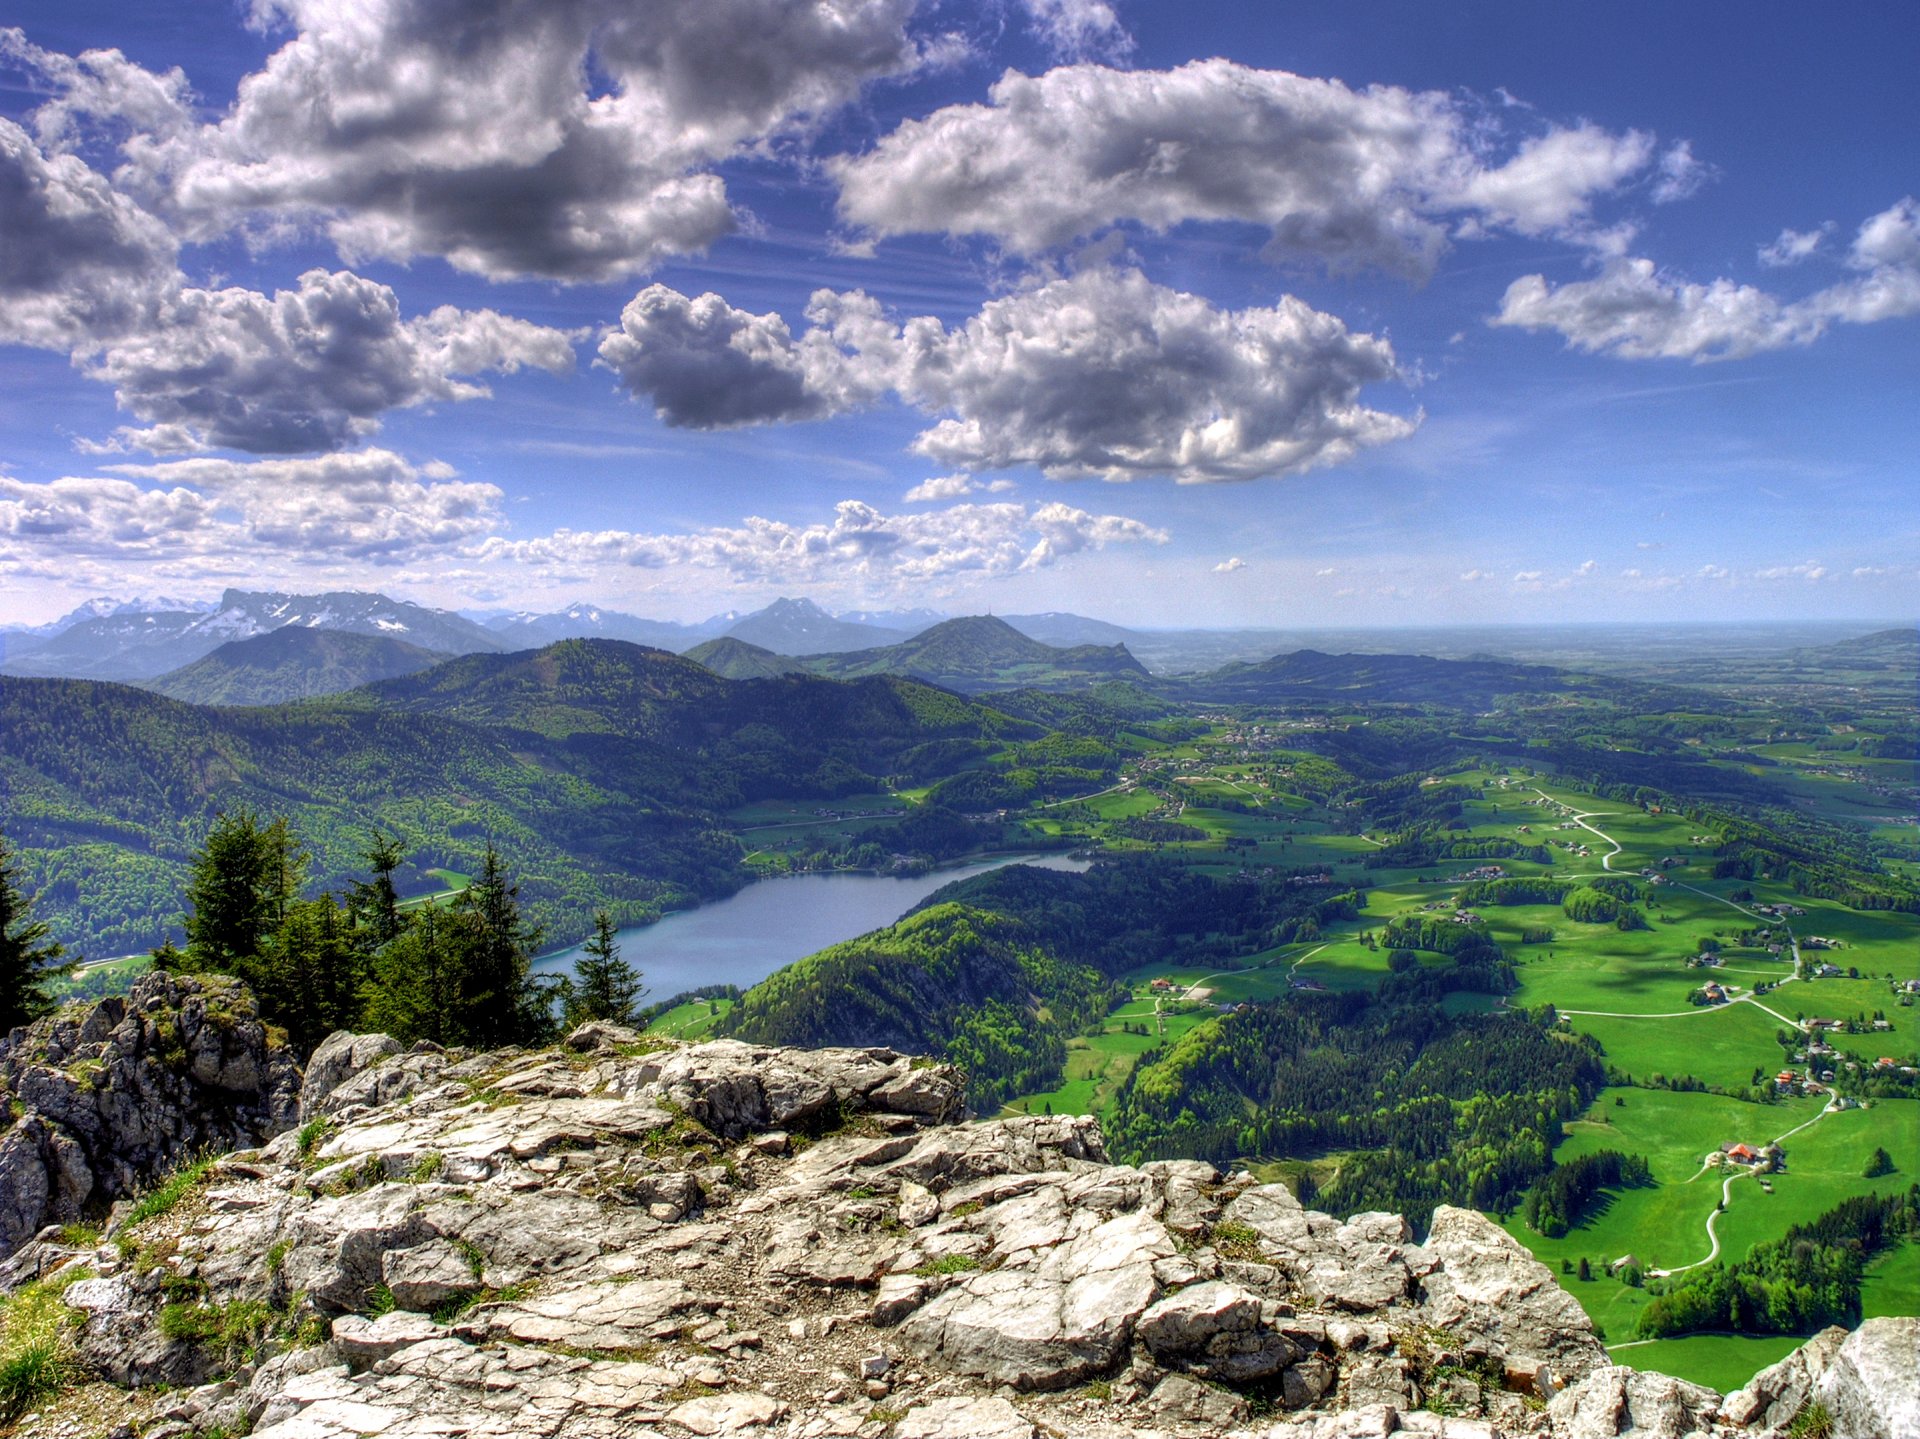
(1172, 314)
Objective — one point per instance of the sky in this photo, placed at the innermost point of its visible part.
(1203, 313)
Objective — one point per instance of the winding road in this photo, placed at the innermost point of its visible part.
(1726, 1185)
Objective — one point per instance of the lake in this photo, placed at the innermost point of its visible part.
(768, 925)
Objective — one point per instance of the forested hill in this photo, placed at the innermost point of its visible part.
(979, 653)
(738, 660)
(291, 664)
(601, 770)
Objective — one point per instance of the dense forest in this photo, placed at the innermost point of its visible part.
(1441, 1109)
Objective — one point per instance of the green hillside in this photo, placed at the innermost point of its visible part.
(603, 771)
(981, 653)
(292, 663)
(737, 660)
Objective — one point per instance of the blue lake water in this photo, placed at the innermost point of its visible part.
(766, 926)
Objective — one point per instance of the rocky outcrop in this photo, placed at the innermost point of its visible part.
(109, 1095)
(619, 1237)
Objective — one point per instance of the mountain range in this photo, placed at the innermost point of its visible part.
(142, 644)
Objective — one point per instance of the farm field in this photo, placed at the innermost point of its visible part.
(692, 1020)
(1627, 988)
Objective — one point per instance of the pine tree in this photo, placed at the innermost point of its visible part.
(414, 991)
(243, 880)
(375, 903)
(500, 1003)
(29, 960)
(604, 985)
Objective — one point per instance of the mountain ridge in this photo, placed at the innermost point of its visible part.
(292, 663)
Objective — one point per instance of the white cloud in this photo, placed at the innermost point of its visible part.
(207, 515)
(1587, 567)
(1079, 29)
(310, 368)
(1632, 311)
(941, 487)
(364, 504)
(1227, 567)
(1680, 175)
(984, 539)
(1528, 577)
(1811, 571)
(1377, 177)
(77, 261)
(1474, 577)
(1793, 246)
(561, 138)
(1101, 373)
(85, 270)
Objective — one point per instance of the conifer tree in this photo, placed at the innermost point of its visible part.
(29, 960)
(604, 985)
(243, 880)
(499, 1002)
(375, 903)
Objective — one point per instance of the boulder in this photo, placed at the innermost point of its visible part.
(1872, 1386)
(1614, 1400)
(340, 1057)
(1772, 1398)
(1483, 1285)
(112, 1098)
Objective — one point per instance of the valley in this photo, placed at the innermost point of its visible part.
(1396, 930)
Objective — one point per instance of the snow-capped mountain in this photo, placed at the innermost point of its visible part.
(131, 645)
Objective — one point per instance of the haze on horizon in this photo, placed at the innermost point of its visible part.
(1170, 315)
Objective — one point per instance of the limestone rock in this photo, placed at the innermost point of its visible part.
(1772, 1398)
(340, 1057)
(991, 1418)
(654, 1240)
(108, 1099)
(1613, 1401)
(1485, 1285)
(1872, 1386)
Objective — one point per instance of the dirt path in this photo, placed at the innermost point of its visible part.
(1726, 1196)
(1606, 860)
(1193, 990)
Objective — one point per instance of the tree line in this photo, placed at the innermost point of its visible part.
(357, 959)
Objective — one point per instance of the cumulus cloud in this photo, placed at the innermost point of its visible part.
(990, 539)
(1812, 571)
(1474, 577)
(77, 260)
(85, 270)
(1377, 177)
(92, 513)
(1634, 311)
(310, 368)
(953, 487)
(1228, 567)
(365, 506)
(560, 138)
(1101, 373)
(1679, 175)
